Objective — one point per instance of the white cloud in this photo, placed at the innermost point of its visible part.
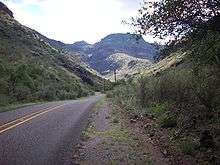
(75, 20)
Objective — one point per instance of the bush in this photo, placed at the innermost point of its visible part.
(4, 100)
(115, 121)
(167, 121)
(158, 109)
(21, 92)
(188, 146)
(63, 95)
(206, 87)
(109, 94)
(47, 93)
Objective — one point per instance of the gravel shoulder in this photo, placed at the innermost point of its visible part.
(110, 138)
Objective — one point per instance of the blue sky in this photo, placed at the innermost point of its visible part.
(76, 20)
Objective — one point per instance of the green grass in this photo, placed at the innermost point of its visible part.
(16, 106)
(116, 133)
(158, 109)
(99, 104)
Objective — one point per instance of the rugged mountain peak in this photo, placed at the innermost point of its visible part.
(5, 9)
(81, 43)
(80, 46)
(126, 38)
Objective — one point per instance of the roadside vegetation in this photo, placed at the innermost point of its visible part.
(183, 100)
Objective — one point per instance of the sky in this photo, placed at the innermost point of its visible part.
(76, 20)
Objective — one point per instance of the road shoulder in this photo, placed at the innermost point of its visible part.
(110, 139)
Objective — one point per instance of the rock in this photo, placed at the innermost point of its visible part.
(75, 156)
(133, 121)
(4, 8)
(164, 152)
(81, 154)
(147, 126)
(151, 117)
(107, 117)
(151, 134)
(136, 116)
(144, 154)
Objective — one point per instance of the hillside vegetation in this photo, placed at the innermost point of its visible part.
(177, 99)
(32, 70)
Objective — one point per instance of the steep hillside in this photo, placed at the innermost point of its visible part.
(32, 69)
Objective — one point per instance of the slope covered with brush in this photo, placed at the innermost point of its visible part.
(31, 69)
(176, 101)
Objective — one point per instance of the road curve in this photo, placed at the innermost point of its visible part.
(43, 134)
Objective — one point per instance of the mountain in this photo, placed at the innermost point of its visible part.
(128, 44)
(80, 46)
(97, 55)
(32, 68)
(127, 65)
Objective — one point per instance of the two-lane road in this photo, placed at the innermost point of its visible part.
(43, 134)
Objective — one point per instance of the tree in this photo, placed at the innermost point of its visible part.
(194, 24)
(176, 18)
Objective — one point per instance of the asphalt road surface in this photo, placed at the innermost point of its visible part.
(43, 134)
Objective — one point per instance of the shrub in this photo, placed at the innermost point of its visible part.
(47, 93)
(193, 93)
(4, 100)
(158, 109)
(109, 94)
(206, 87)
(63, 95)
(167, 121)
(115, 120)
(188, 146)
(21, 92)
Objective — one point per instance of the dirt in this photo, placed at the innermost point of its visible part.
(111, 139)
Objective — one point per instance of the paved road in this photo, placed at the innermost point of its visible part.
(43, 134)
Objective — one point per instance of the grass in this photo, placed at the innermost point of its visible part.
(98, 105)
(116, 133)
(16, 106)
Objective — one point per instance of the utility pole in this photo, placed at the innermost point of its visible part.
(115, 75)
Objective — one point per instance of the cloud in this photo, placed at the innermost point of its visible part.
(75, 20)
